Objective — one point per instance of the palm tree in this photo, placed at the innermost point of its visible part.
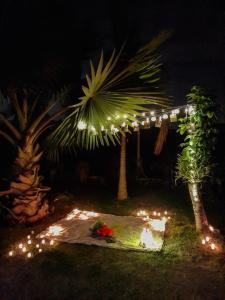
(27, 195)
(116, 92)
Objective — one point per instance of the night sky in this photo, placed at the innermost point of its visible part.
(48, 42)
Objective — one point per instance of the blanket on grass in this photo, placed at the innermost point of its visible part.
(75, 228)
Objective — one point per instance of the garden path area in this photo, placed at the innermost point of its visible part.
(68, 271)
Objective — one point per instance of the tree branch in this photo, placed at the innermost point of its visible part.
(10, 126)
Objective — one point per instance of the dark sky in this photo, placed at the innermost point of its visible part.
(47, 41)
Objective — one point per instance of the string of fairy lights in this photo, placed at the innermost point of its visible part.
(146, 119)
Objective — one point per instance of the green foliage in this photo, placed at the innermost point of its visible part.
(195, 161)
(115, 91)
(98, 224)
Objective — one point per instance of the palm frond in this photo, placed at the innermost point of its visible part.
(112, 96)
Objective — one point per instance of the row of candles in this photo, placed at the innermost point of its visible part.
(31, 246)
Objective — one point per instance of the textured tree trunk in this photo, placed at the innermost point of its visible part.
(139, 165)
(28, 203)
(201, 221)
(122, 188)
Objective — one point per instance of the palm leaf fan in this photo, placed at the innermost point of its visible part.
(113, 95)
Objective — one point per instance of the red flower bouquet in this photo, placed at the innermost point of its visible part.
(102, 231)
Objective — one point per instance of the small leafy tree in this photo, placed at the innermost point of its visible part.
(195, 161)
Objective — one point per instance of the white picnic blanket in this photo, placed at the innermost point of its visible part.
(75, 228)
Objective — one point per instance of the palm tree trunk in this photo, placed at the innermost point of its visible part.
(28, 203)
(201, 221)
(140, 171)
(122, 188)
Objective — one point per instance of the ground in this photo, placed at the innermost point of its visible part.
(182, 270)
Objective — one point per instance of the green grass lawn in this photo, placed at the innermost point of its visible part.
(180, 271)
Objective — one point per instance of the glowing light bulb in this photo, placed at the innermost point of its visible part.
(211, 228)
(203, 242)
(20, 245)
(165, 212)
(28, 237)
(29, 254)
(165, 116)
(159, 214)
(43, 242)
(29, 242)
(24, 249)
(10, 253)
(154, 213)
(81, 125)
(51, 242)
(213, 246)
(207, 238)
(153, 119)
(37, 245)
(40, 250)
(152, 113)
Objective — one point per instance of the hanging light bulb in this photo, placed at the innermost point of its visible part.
(165, 116)
(213, 246)
(153, 119)
(81, 125)
(211, 228)
(10, 253)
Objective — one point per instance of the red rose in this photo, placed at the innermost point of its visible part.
(104, 231)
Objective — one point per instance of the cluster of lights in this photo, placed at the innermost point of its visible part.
(209, 242)
(30, 246)
(146, 216)
(81, 214)
(143, 120)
